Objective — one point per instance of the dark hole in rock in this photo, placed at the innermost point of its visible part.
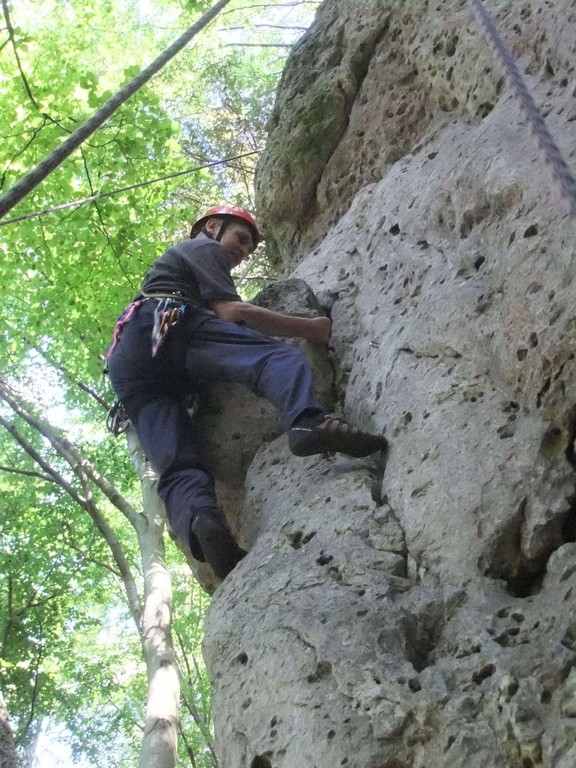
(569, 526)
(485, 109)
(484, 673)
(260, 761)
(525, 584)
(242, 658)
(323, 670)
(531, 231)
(545, 387)
(297, 538)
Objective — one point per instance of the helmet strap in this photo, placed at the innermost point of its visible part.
(221, 229)
(223, 225)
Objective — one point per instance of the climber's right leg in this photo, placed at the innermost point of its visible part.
(279, 372)
(227, 352)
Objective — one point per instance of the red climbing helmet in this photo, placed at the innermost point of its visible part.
(228, 212)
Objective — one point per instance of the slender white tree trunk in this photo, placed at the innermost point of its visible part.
(161, 726)
(7, 746)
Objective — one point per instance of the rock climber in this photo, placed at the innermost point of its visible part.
(188, 327)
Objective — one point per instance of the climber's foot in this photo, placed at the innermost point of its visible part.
(333, 435)
(209, 530)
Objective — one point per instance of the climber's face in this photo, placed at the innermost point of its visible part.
(236, 240)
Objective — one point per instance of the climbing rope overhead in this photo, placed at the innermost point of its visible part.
(120, 190)
(27, 183)
(552, 155)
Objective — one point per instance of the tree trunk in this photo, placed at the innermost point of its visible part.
(7, 745)
(160, 739)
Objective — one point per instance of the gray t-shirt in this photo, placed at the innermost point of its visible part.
(198, 270)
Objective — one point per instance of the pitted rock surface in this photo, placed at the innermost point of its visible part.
(374, 82)
(418, 610)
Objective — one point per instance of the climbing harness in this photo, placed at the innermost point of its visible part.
(552, 155)
(117, 421)
(167, 314)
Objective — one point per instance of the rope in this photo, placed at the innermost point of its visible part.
(92, 198)
(31, 180)
(552, 155)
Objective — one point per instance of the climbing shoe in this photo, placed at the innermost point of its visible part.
(332, 435)
(209, 531)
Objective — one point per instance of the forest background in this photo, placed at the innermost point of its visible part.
(75, 679)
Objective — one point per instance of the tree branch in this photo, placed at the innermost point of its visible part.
(33, 453)
(258, 45)
(264, 26)
(82, 469)
(71, 454)
(27, 473)
(17, 57)
(88, 559)
(62, 369)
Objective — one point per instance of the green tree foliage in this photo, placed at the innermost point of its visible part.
(58, 588)
(69, 647)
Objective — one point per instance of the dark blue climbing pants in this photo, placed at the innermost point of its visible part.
(200, 350)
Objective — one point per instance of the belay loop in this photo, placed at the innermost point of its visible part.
(117, 421)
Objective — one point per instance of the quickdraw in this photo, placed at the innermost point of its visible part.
(167, 314)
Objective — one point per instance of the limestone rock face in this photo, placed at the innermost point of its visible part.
(374, 82)
(417, 610)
